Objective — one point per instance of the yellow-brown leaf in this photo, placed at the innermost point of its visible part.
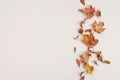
(89, 68)
(78, 62)
(98, 27)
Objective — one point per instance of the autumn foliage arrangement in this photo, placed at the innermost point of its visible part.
(89, 40)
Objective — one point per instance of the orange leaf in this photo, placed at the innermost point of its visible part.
(89, 40)
(106, 61)
(98, 27)
(78, 62)
(82, 1)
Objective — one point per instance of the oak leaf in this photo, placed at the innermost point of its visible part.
(98, 27)
(89, 40)
(89, 68)
(89, 11)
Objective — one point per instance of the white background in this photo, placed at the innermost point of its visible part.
(36, 39)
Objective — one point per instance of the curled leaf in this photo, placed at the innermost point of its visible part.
(99, 56)
(106, 61)
(98, 27)
(89, 68)
(95, 62)
(81, 74)
(82, 1)
(88, 30)
(83, 22)
(78, 62)
(74, 49)
(89, 40)
(76, 37)
(82, 78)
(81, 10)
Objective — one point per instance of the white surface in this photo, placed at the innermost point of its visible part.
(36, 39)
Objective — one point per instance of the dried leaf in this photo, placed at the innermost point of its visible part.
(98, 13)
(83, 22)
(88, 30)
(74, 49)
(78, 62)
(80, 30)
(98, 27)
(106, 61)
(95, 62)
(82, 73)
(82, 1)
(81, 10)
(89, 11)
(89, 40)
(82, 78)
(84, 57)
(89, 68)
(76, 37)
(99, 56)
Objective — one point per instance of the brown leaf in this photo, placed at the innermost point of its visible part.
(95, 62)
(106, 61)
(74, 49)
(99, 56)
(78, 62)
(82, 78)
(83, 22)
(98, 13)
(98, 27)
(82, 73)
(82, 1)
(80, 30)
(81, 10)
(76, 37)
(89, 40)
(84, 57)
